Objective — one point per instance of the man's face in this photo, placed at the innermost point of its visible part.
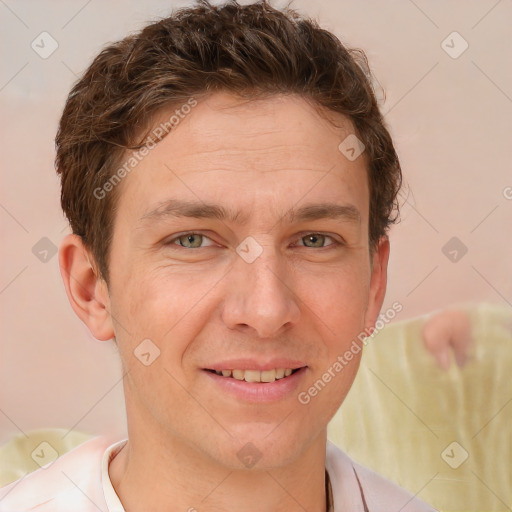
(263, 289)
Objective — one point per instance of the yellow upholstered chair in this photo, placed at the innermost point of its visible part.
(444, 435)
(19, 455)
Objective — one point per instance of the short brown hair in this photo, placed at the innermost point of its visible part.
(252, 50)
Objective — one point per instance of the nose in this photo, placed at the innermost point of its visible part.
(260, 297)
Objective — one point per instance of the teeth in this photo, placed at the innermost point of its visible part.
(268, 376)
(280, 373)
(252, 376)
(238, 374)
(256, 375)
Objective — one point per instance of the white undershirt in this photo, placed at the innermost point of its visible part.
(112, 499)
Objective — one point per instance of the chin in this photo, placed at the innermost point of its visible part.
(260, 447)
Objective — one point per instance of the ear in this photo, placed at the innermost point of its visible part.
(86, 291)
(378, 283)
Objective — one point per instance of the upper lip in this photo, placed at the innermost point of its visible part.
(252, 364)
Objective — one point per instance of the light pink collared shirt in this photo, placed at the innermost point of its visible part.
(78, 481)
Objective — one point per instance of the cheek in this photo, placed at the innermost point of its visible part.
(163, 305)
(338, 296)
(339, 304)
(155, 324)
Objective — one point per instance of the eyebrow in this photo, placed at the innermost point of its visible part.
(314, 211)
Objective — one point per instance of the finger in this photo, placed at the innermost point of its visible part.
(443, 358)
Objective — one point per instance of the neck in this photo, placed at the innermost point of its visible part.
(165, 474)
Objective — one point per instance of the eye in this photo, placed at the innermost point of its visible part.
(189, 240)
(195, 240)
(317, 240)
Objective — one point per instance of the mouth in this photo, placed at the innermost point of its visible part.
(264, 377)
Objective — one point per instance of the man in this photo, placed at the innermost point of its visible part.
(229, 182)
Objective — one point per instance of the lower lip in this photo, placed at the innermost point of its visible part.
(258, 392)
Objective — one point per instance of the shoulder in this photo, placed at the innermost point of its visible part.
(72, 482)
(380, 494)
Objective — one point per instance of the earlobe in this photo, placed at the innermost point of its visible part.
(86, 291)
(378, 283)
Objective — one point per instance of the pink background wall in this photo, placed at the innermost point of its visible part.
(450, 118)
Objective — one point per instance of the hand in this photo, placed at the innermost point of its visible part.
(446, 331)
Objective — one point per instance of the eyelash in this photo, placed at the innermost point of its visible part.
(333, 244)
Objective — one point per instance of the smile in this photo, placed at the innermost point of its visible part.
(256, 375)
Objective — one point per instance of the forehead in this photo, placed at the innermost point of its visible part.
(276, 151)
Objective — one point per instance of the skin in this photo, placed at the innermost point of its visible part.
(301, 299)
(446, 331)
